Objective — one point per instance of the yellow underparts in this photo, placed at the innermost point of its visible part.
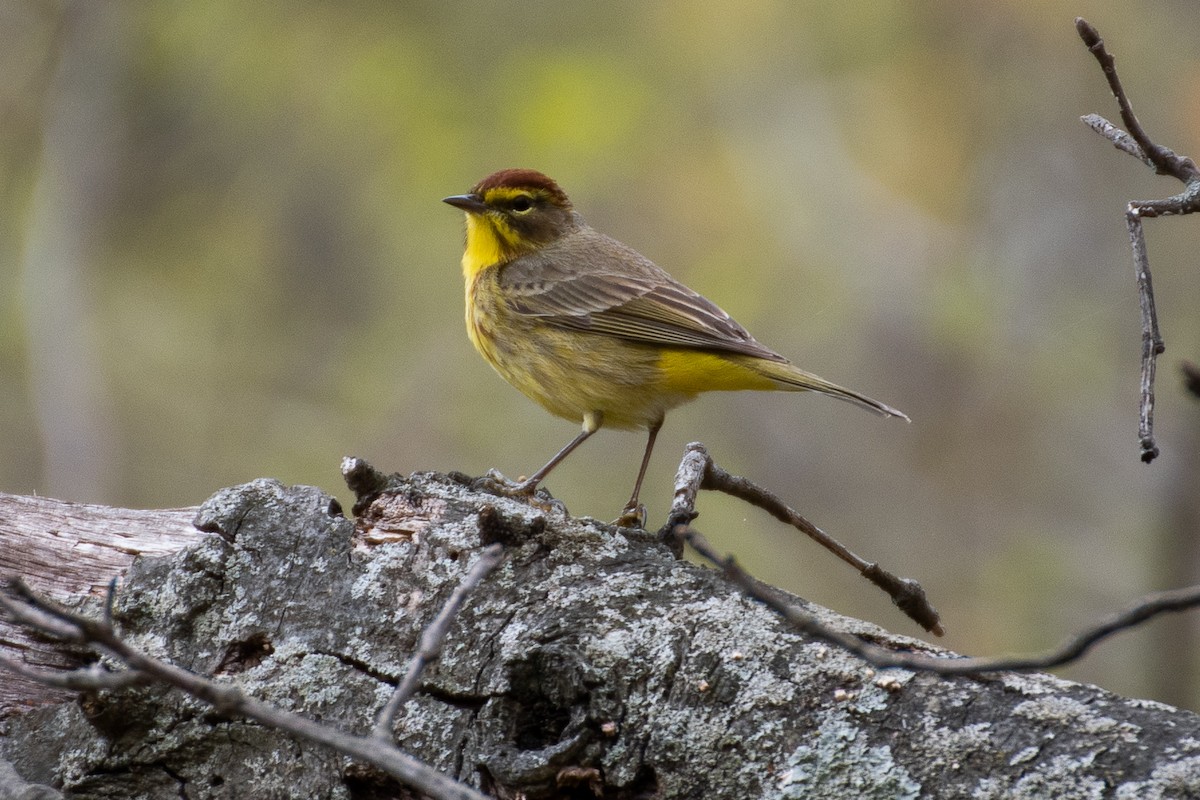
(692, 371)
(588, 377)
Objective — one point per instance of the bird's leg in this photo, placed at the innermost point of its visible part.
(497, 482)
(634, 513)
(531, 483)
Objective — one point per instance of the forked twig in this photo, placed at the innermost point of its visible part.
(1165, 162)
(697, 471)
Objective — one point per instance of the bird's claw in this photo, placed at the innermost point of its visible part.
(496, 483)
(632, 517)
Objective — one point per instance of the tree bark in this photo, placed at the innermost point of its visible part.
(591, 663)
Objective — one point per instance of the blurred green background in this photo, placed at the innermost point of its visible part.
(226, 257)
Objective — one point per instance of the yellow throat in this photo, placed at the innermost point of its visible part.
(489, 242)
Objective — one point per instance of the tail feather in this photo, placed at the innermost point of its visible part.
(795, 379)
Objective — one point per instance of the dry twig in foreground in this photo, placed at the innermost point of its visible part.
(376, 749)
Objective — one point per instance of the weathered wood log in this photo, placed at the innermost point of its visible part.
(593, 662)
(67, 550)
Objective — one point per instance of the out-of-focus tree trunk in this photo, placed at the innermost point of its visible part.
(58, 279)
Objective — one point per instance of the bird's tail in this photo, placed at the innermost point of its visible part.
(792, 378)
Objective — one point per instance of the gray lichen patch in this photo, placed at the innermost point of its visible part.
(841, 762)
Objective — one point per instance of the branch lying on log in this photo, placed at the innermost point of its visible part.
(591, 660)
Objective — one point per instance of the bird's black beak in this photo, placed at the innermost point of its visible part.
(471, 203)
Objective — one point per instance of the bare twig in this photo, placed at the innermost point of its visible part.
(1073, 648)
(431, 640)
(1152, 342)
(697, 471)
(35, 611)
(1163, 159)
(1119, 138)
(34, 618)
(1165, 162)
(91, 678)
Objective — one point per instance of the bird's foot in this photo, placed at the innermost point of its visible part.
(632, 517)
(495, 482)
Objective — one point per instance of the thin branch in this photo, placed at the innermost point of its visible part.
(91, 678)
(33, 610)
(1152, 342)
(697, 471)
(1070, 650)
(1165, 162)
(1119, 138)
(33, 618)
(432, 638)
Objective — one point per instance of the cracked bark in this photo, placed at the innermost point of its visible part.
(591, 660)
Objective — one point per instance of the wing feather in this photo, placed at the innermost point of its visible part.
(586, 281)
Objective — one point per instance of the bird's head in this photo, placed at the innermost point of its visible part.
(512, 212)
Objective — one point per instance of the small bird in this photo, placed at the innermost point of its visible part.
(594, 331)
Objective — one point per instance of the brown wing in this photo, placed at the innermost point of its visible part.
(586, 281)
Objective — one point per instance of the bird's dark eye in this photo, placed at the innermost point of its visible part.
(522, 203)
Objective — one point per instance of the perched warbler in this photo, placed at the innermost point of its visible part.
(594, 331)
